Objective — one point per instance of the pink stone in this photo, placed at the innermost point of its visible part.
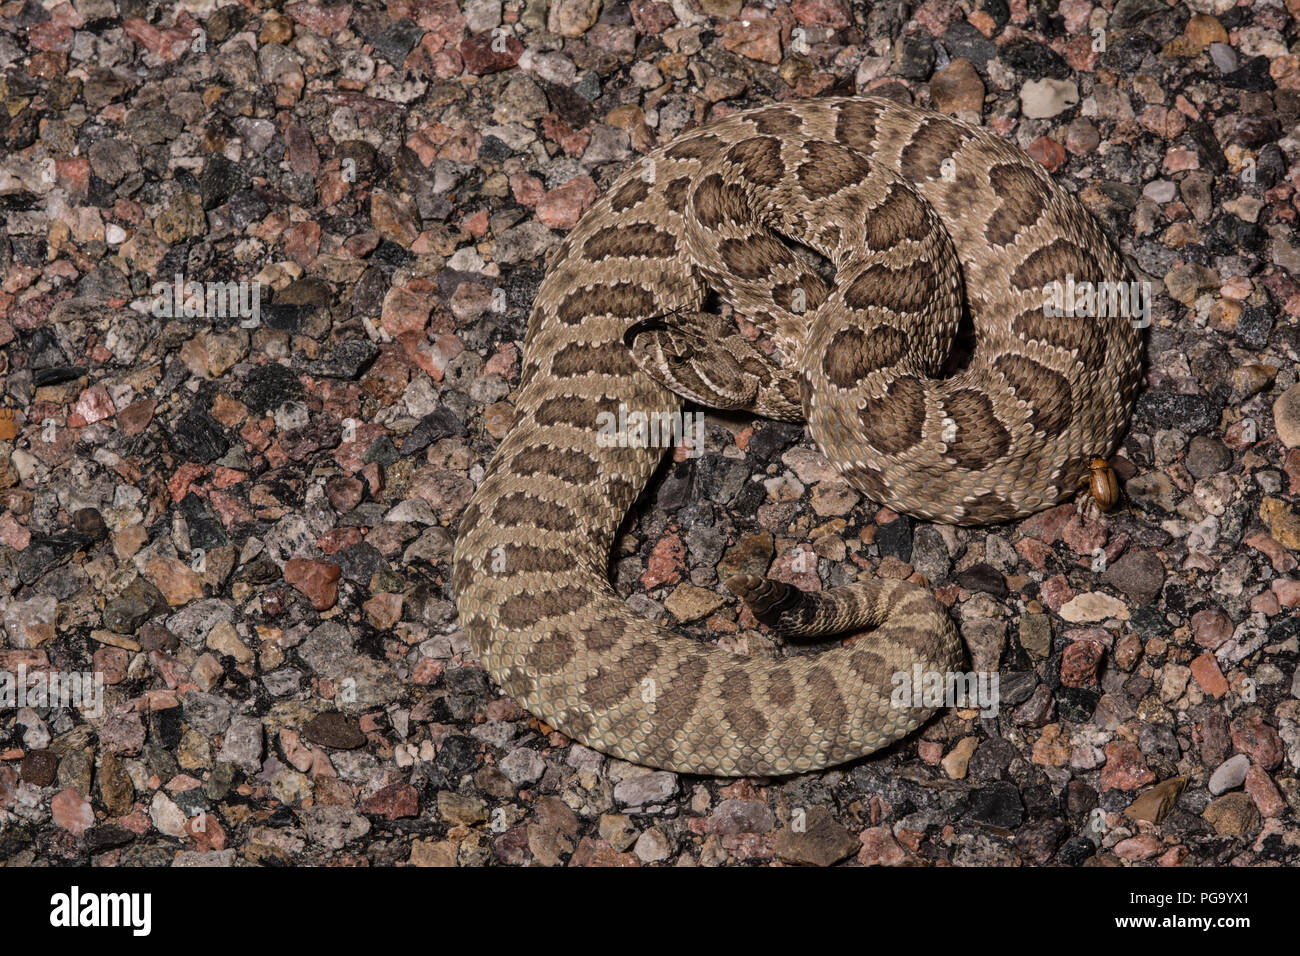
(754, 39)
(1079, 663)
(1287, 591)
(302, 242)
(301, 150)
(667, 561)
(1179, 160)
(1173, 857)
(563, 206)
(170, 44)
(72, 812)
(879, 848)
(1126, 768)
(50, 36)
(1141, 847)
(1048, 525)
(318, 580)
(405, 311)
(1211, 628)
(443, 350)
(1055, 592)
(1048, 153)
(612, 38)
(393, 802)
(1083, 535)
(480, 57)
(442, 18)
(1076, 14)
(1252, 736)
(12, 533)
(322, 20)
(94, 405)
(1206, 671)
(652, 17)
(505, 362)
(823, 13)
(1265, 794)
(527, 189)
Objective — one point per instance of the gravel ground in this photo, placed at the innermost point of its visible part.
(245, 526)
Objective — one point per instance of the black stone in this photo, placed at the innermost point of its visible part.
(269, 386)
(1126, 54)
(44, 553)
(1076, 703)
(1076, 851)
(368, 294)
(998, 10)
(39, 768)
(674, 491)
(1033, 59)
(915, 58)
(57, 374)
(246, 207)
(205, 529)
(285, 318)
(1270, 167)
(359, 562)
(991, 759)
(1191, 413)
(336, 730)
(997, 805)
(397, 40)
(226, 21)
(984, 577)
(90, 522)
(110, 836)
(962, 40)
(458, 755)
(494, 150)
(1040, 839)
(434, 427)
(346, 360)
(1251, 75)
(1015, 687)
(389, 253)
(165, 727)
(196, 436)
(895, 538)
(381, 450)
(773, 439)
(1129, 13)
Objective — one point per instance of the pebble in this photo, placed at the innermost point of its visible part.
(1229, 775)
(1233, 815)
(523, 766)
(1286, 417)
(958, 88)
(1045, 98)
(650, 789)
(1093, 606)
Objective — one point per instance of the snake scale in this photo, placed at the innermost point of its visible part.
(923, 220)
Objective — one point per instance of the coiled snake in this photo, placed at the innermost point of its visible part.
(920, 217)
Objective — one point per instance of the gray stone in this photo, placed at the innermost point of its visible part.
(1229, 775)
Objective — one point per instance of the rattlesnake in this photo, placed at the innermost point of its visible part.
(917, 214)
